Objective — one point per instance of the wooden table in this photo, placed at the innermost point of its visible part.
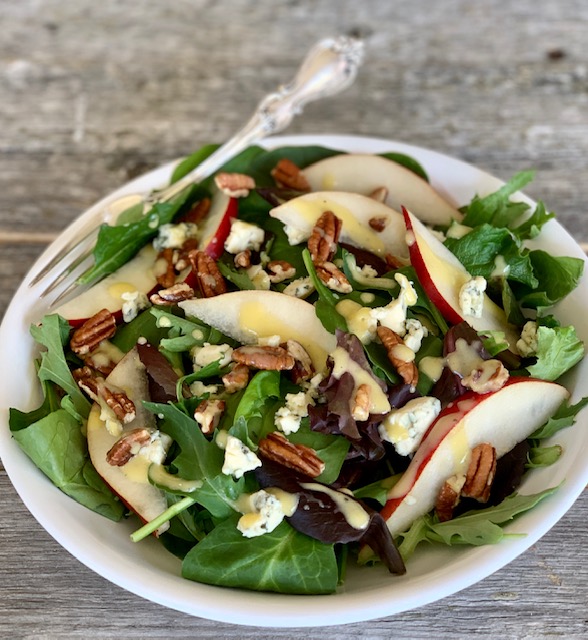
(92, 94)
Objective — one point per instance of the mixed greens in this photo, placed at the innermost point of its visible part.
(230, 523)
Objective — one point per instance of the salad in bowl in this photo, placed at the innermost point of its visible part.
(317, 359)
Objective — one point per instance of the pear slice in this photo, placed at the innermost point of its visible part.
(502, 418)
(130, 482)
(299, 217)
(248, 316)
(365, 173)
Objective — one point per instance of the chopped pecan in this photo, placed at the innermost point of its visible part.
(322, 243)
(378, 223)
(128, 446)
(87, 381)
(119, 403)
(298, 457)
(208, 414)
(449, 497)
(99, 327)
(489, 376)
(235, 185)
(237, 378)
(303, 368)
(399, 356)
(280, 270)
(379, 195)
(264, 357)
(288, 175)
(243, 259)
(393, 262)
(198, 212)
(360, 409)
(210, 279)
(182, 255)
(173, 295)
(480, 474)
(167, 276)
(333, 277)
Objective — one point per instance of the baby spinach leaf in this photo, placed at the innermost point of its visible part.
(58, 448)
(408, 162)
(53, 333)
(282, 561)
(192, 161)
(301, 156)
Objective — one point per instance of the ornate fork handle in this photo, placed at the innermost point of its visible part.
(329, 67)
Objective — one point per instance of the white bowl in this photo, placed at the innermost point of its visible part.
(147, 570)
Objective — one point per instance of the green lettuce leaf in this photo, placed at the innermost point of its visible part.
(283, 561)
(558, 350)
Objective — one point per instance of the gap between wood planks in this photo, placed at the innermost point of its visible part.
(16, 237)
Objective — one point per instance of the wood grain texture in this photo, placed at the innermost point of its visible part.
(92, 94)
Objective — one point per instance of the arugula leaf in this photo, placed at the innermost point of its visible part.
(543, 456)
(497, 208)
(558, 350)
(485, 248)
(564, 417)
(57, 446)
(53, 333)
(532, 226)
(283, 561)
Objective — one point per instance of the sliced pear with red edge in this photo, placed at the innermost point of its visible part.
(502, 418)
(365, 173)
(130, 482)
(250, 316)
(442, 275)
(140, 273)
(355, 211)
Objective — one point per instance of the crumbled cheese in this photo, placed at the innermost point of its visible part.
(134, 302)
(270, 341)
(405, 427)
(156, 450)
(113, 425)
(471, 297)
(265, 515)
(415, 332)
(198, 388)
(393, 315)
(243, 236)
(209, 353)
(289, 417)
(173, 236)
(259, 277)
(299, 288)
(527, 345)
(238, 458)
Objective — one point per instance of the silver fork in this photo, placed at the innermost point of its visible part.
(329, 67)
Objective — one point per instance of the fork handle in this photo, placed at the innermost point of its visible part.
(330, 66)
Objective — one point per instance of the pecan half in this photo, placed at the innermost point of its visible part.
(264, 357)
(210, 280)
(237, 378)
(322, 243)
(173, 295)
(86, 338)
(333, 277)
(480, 474)
(303, 368)
(489, 376)
(288, 176)
(208, 414)
(235, 185)
(398, 355)
(127, 446)
(280, 270)
(449, 497)
(298, 457)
